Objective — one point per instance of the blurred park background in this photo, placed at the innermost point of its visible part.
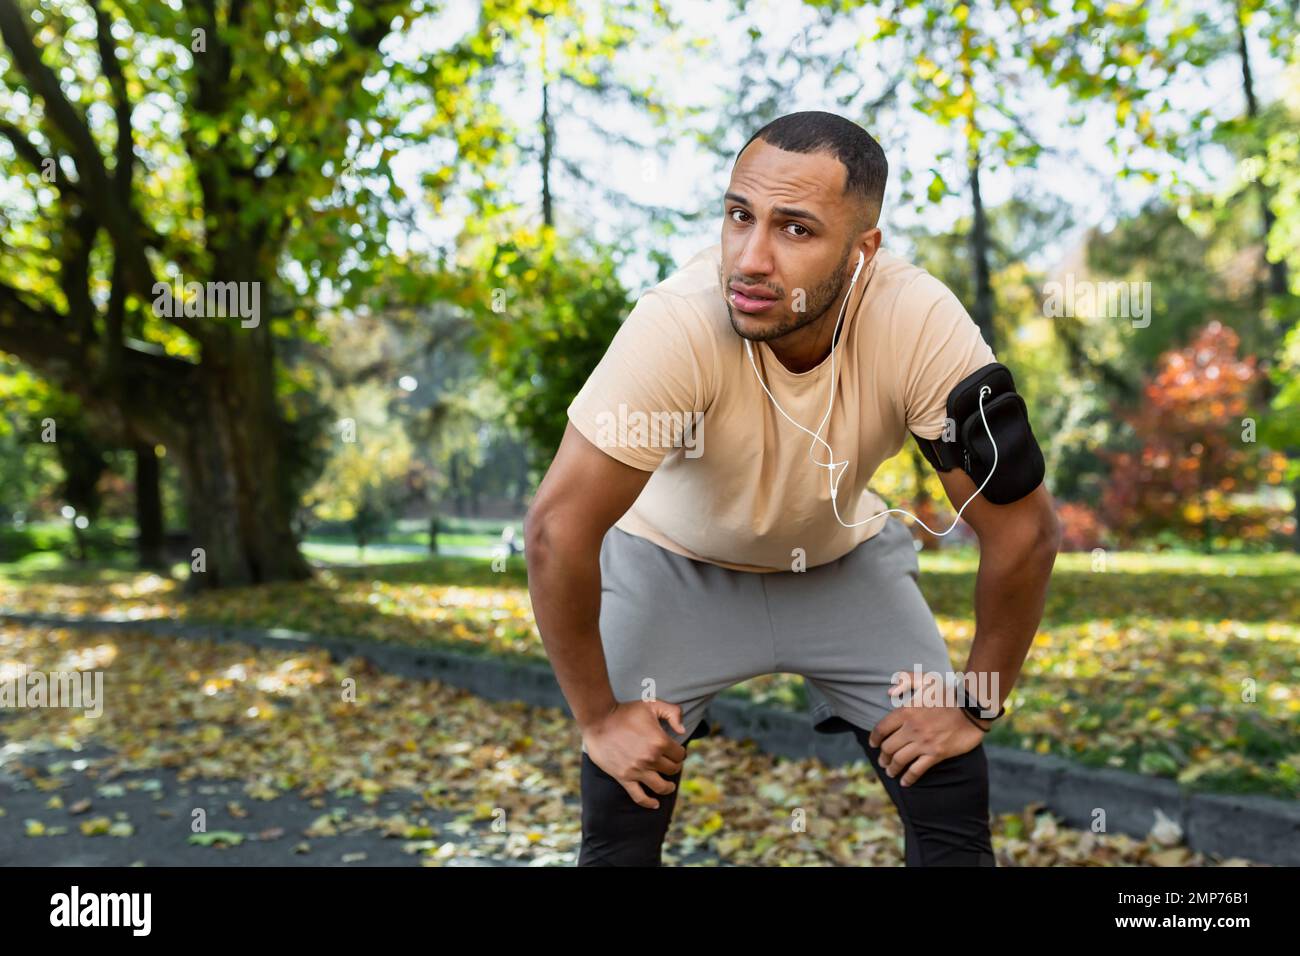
(435, 215)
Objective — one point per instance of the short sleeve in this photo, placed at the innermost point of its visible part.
(644, 398)
(940, 345)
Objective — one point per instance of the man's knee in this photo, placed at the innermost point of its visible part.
(616, 830)
(945, 812)
(948, 808)
(967, 771)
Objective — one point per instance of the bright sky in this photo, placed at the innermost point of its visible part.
(690, 178)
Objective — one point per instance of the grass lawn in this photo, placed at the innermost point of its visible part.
(1175, 665)
(345, 552)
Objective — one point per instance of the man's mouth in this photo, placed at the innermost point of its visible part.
(751, 298)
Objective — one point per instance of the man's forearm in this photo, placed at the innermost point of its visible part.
(564, 586)
(1010, 593)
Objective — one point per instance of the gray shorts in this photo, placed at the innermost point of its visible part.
(681, 630)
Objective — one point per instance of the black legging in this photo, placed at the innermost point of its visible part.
(944, 814)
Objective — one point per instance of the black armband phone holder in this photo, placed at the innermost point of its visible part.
(965, 442)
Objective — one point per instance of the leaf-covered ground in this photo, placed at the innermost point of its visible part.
(1183, 667)
(403, 769)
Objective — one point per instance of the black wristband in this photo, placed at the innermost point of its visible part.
(967, 705)
(972, 719)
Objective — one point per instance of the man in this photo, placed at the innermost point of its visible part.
(664, 568)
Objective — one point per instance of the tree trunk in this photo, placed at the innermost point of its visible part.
(1277, 271)
(80, 553)
(982, 313)
(1278, 283)
(548, 139)
(148, 508)
(239, 503)
(83, 461)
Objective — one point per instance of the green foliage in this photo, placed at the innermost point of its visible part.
(560, 305)
(1281, 429)
(274, 149)
(29, 472)
(364, 480)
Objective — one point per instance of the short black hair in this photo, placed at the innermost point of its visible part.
(813, 131)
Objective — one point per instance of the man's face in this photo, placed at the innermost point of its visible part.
(787, 232)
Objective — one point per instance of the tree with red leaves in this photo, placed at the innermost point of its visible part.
(1195, 448)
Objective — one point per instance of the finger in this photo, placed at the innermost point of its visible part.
(639, 796)
(671, 749)
(899, 760)
(657, 783)
(669, 712)
(919, 766)
(886, 757)
(896, 741)
(666, 765)
(886, 726)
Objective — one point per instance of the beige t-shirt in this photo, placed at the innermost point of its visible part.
(733, 481)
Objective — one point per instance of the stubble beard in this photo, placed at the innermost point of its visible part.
(821, 298)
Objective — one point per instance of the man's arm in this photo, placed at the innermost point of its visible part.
(583, 493)
(1018, 546)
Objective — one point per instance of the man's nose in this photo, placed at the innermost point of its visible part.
(755, 259)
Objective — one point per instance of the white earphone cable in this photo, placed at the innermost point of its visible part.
(833, 464)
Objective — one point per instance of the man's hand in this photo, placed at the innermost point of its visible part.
(915, 737)
(630, 746)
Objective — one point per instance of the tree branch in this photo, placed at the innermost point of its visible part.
(24, 147)
(157, 384)
(39, 336)
(1083, 363)
(100, 193)
(79, 239)
(124, 154)
(61, 112)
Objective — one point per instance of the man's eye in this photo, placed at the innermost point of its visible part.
(734, 211)
(800, 235)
